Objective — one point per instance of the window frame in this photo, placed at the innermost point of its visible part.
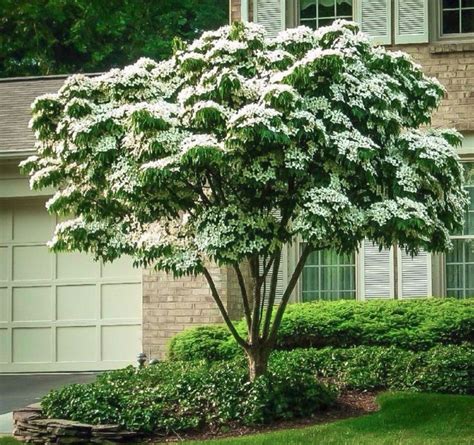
(297, 295)
(295, 10)
(465, 159)
(436, 26)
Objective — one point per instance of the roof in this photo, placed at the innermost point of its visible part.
(16, 96)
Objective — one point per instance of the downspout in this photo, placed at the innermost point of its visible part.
(244, 10)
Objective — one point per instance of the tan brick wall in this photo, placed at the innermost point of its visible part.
(172, 305)
(453, 66)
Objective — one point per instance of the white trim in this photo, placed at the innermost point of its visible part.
(244, 10)
(429, 277)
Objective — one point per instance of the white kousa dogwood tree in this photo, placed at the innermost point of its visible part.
(239, 144)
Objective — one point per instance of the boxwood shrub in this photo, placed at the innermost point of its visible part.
(415, 325)
(447, 369)
(179, 396)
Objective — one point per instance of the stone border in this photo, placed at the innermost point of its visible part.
(29, 425)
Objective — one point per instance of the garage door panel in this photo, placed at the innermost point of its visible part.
(31, 263)
(4, 259)
(76, 344)
(120, 268)
(121, 301)
(119, 343)
(61, 312)
(72, 265)
(5, 224)
(32, 345)
(31, 303)
(4, 346)
(76, 302)
(4, 304)
(24, 230)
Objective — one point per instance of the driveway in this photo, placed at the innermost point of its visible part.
(17, 391)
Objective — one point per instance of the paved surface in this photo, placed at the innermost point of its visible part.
(17, 391)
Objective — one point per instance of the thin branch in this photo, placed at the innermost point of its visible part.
(286, 295)
(271, 300)
(255, 325)
(245, 298)
(225, 315)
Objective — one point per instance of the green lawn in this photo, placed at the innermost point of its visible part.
(404, 419)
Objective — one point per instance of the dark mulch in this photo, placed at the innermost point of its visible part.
(349, 404)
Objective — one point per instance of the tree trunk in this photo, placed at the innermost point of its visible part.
(258, 361)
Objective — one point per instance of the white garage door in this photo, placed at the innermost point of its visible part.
(61, 312)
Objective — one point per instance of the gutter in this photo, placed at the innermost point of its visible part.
(16, 154)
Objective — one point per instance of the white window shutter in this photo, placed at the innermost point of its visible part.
(270, 14)
(375, 18)
(282, 279)
(376, 272)
(414, 275)
(411, 21)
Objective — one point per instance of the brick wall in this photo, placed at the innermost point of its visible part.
(172, 305)
(453, 66)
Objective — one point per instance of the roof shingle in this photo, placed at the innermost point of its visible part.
(16, 96)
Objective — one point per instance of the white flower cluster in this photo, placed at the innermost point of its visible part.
(311, 120)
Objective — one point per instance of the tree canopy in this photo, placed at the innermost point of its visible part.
(68, 36)
(238, 144)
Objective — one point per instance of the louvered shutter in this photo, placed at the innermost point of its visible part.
(414, 275)
(376, 272)
(282, 277)
(270, 14)
(411, 21)
(282, 280)
(375, 17)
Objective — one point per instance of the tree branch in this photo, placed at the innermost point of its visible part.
(225, 315)
(255, 325)
(271, 300)
(245, 298)
(286, 295)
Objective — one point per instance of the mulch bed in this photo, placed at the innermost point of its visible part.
(349, 404)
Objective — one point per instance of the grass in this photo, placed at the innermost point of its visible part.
(404, 419)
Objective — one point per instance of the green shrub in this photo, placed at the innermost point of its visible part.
(415, 325)
(177, 396)
(203, 343)
(447, 368)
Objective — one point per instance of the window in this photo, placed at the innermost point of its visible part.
(457, 16)
(317, 13)
(328, 275)
(460, 260)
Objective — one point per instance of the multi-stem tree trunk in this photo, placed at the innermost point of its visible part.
(257, 357)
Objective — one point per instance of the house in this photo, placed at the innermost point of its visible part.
(63, 312)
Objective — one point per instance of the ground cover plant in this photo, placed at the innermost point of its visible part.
(182, 396)
(189, 396)
(239, 144)
(415, 325)
(407, 418)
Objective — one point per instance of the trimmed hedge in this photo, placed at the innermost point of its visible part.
(180, 396)
(415, 325)
(446, 369)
